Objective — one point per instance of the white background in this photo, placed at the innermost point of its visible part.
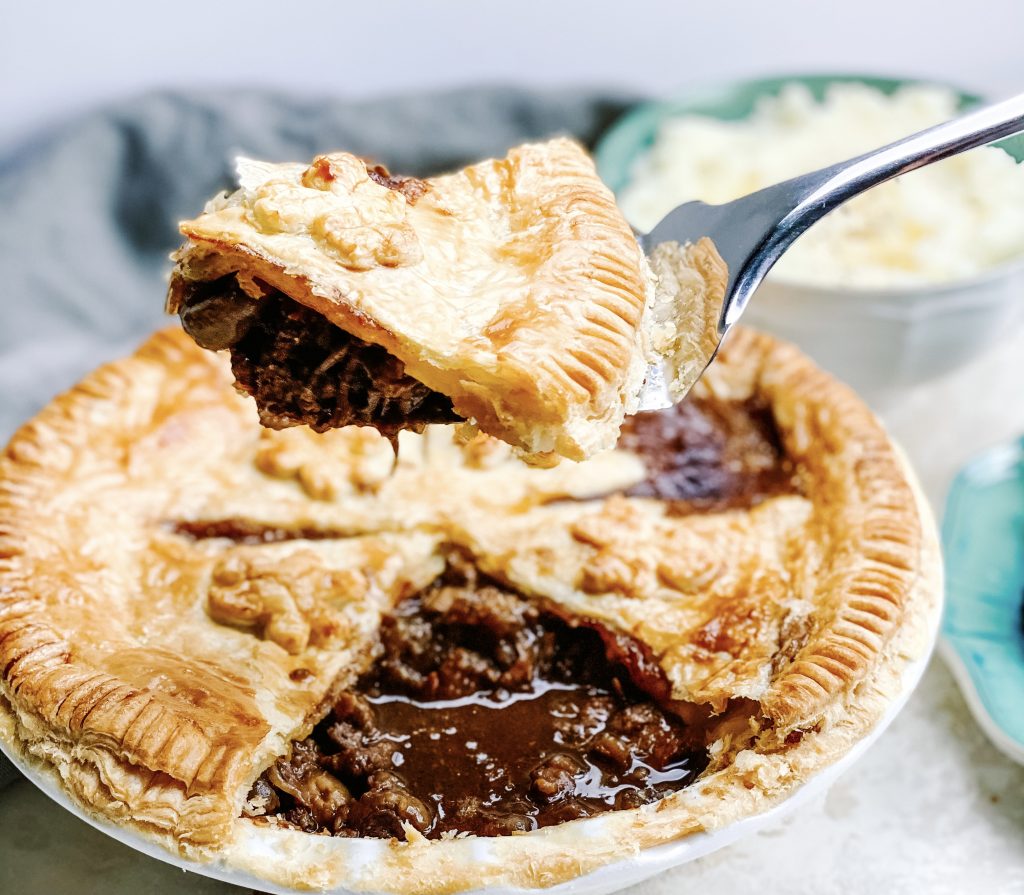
(64, 55)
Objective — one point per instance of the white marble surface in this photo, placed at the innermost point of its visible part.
(932, 807)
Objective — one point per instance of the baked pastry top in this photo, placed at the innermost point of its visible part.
(511, 293)
(208, 628)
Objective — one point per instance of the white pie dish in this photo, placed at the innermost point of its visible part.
(609, 878)
(820, 729)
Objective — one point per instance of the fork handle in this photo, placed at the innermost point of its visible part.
(816, 194)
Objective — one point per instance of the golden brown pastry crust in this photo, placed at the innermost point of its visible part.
(514, 286)
(112, 587)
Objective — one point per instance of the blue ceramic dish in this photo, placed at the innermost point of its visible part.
(983, 542)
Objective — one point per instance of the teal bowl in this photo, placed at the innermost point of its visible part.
(629, 137)
(982, 635)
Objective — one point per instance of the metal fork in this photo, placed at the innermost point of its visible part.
(752, 233)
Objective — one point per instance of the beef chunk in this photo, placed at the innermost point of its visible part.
(384, 809)
(319, 798)
(555, 777)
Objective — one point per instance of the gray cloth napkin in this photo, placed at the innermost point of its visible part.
(90, 209)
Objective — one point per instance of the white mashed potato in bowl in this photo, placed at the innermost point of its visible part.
(902, 283)
(948, 221)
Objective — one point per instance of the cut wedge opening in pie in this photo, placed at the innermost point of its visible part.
(484, 713)
(297, 656)
(511, 294)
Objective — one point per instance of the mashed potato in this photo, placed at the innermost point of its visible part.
(951, 220)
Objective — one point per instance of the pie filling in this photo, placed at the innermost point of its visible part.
(301, 368)
(704, 456)
(488, 714)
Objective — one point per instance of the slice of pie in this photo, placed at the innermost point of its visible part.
(295, 656)
(511, 294)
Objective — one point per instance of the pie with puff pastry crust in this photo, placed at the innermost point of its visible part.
(184, 594)
(511, 293)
